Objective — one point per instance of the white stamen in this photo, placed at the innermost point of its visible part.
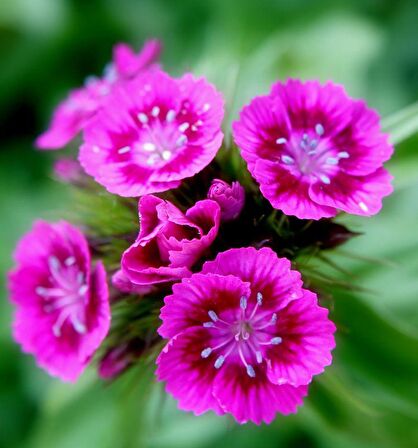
(313, 143)
(331, 161)
(287, 160)
(206, 107)
(208, 324)
(83, 289)
(69, 261)
(184, 126)
(305, 137)
(148, 146)
(325, 179)
(155, 111)
(181, 140)
(219, 361)
(243, 303)
(343, 155)
(363, 206)
(166, 155)
(79, 327)
(152, 160)
(213, 315)
(80, 278)
(250, 371)
(259, 298)
(124, 150)
(206, 352)
(276, 341)
(193, 128)
(53, 263)
(142, 118)
(171, 115)
(281, 141)
(259, 357)
(273, 319)
(319, 129)
(41, 291)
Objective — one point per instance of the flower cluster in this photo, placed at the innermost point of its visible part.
(213, 252)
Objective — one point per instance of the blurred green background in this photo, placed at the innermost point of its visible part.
(369, 397)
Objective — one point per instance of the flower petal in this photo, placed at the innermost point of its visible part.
(307, 340)
(254, 399)
(188, 376)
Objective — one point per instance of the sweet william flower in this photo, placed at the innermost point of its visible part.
(314, 150)
(245, 338)
(62, 309)
(169, 241)
(72, 114)
(67, 170)
(152, 133)
(231, 198)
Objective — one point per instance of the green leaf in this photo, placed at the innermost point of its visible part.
(402, 124)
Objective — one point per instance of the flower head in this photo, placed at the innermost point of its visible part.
(67, 170)
(128, 64)
(82, 104)
(169, 241)
(62, 308)
(314, 150)
(246, 335)
(152, 132)
(231, 198)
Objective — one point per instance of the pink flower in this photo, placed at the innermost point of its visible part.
(115, 362)
(62, 308)
(314, 150)
(67, 170)
(152, 132)
(245, 337)
(128, 64)
(231, 198)
(121, 282)
(82, 104)
(169, 241)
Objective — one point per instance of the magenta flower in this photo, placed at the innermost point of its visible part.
(314, 150)
(128, 64)
(231, 198)
(62, 308)
(121, 282)
(82, 104)
(245, 337)
(152, 132)
(68, 170)
(115, 362)
(169, 241)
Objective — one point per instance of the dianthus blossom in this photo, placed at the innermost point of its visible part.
(72, 114)
(245, 338)
(314, 150)
(62, 309)
(153, 132)
(169, 241)
(231, 198)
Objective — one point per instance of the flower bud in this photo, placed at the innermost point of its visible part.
(230, 198)
(67, 170)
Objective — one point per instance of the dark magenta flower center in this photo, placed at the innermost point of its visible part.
(243, 338)
(311, 154)
(161, 133)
